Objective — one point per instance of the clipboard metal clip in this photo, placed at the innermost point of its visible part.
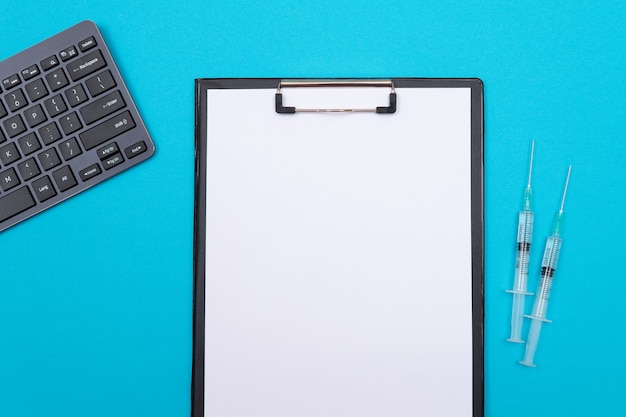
(391, 108)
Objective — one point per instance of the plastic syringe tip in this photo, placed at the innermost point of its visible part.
(527, 197)
(556, 230)
(531, 343)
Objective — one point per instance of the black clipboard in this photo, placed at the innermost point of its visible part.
(338, 248)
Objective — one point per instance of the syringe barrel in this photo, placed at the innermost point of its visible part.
(525, 227)
(551, 254)
(548, 267)
(524, 239)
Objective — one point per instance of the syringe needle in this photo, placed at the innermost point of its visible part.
(524, 239)
(548, 268)
(530, 170)
(528, 190)
(569, 171)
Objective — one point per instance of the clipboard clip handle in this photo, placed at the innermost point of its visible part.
(391, 108)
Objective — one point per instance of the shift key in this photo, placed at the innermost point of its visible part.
(107, 130)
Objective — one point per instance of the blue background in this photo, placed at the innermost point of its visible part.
(96, 294)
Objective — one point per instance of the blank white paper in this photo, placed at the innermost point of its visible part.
(338, 256)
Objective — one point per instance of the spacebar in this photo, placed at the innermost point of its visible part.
(15, 203)
(109, 129)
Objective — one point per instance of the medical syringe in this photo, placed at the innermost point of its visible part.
(524, 239)
(548, 267)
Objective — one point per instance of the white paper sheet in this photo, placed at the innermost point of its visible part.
(338, 256)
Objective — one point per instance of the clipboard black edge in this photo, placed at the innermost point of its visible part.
(478, 244)
(477, 220)
(199, 250)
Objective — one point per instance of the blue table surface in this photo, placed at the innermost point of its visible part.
(96, 293)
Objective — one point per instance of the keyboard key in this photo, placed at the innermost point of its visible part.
(70, 123)
(14, 126)
(49, 63)
(3, 111)
(102, 107)
(30, 72)
(89, 172)
(36, 90)
(64, 178)
(28, 169)
(9, 154)
(55, 105)
(100, 83)
(57, 79)
(35, 116)
(107, 130)
(49, 159)
(50, 133)
(9, 179)
(70, 149)
(68, 53)
(108, 150)
(87, 44)
(29, 144)
(136, 149)
(76, 95)
(16, 100)
(11, 81)
(112, 161)
(15, 203)
(87, 64)
(2, 137)
(44, 189)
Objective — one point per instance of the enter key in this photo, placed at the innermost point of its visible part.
(102, 107)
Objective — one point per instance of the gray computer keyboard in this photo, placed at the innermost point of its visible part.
(67, 122)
